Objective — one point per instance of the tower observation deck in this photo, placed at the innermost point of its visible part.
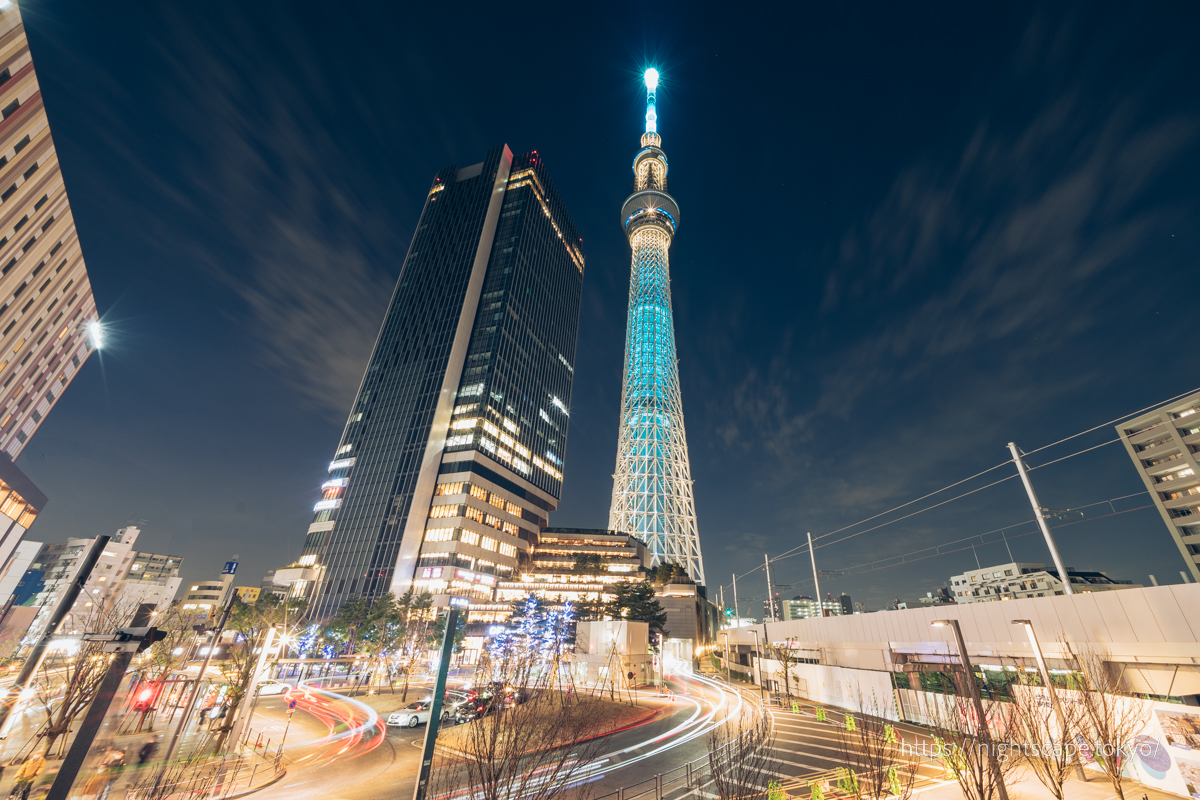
(652, 487)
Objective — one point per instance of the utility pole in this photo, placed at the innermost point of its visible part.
(191, 703)
(770, 591)
(816, 582)
(34, 659)
(722, 593)
(435, 706)
(737, 613)
(728, 678)
(125, 648)
(1041, 520)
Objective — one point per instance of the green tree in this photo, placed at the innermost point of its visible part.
(250, 623)
(635, 601)
(588, 563)
(345, 625)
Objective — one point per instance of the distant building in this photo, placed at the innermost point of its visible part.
(1164, 446)
(20, 503)
(846, 603)
(803, 607)
(207, 598)
(940, 597)
(248, 594)
(1015, 580)
(111, 586)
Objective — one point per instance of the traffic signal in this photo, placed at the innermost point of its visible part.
(151, 636)
(729, 612)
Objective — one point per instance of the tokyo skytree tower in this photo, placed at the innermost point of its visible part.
(652, 488)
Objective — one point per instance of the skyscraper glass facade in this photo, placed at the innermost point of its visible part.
(452, 454)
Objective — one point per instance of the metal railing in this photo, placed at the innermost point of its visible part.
(218, 779)
(685, 778)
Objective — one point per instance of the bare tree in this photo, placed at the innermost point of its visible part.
(539, 747)
(1048, 740)
(787, 657)
(66, 682)
(977, 752)
(876, 764)
(739, 754)
(1112, 720)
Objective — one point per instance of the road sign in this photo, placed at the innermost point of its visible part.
(230, 568)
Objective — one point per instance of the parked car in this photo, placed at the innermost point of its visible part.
(269, 687)
(414, 714)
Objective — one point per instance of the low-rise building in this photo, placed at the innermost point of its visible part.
(1031, 579)
(805, 607)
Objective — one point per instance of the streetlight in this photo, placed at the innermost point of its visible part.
(758, 663)
(982, 726)
(728, 679)
(1045, 673)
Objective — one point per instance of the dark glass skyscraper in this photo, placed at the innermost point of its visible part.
(451, 459)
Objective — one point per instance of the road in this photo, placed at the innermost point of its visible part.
(385, 766)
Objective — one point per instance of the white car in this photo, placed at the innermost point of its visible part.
(414, 714)
(269, 687)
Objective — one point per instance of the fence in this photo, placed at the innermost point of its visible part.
(221, 779)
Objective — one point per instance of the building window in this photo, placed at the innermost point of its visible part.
(10, 108)
(19, 146)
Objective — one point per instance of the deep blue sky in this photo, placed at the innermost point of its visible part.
(911, 233)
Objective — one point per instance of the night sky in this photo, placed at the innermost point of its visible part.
(910, 234)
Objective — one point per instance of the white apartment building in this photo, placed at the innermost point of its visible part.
(206, 598)
(111, 585)
(1020, 580)
(1165, 446)
(806, 608)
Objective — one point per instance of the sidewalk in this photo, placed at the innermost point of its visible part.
(1024, 786)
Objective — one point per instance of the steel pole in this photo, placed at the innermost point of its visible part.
(770, 591)
(728, 676)
(65, 603)
(981, 728)
(1045, 673)
(758, 664)
(1041, 519)
(816, 583)
(435, 706)
(96, 713)
(737, 613)
(191, 703)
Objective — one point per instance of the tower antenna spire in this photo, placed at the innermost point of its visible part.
(650, 77)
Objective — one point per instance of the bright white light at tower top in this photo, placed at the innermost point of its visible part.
(651, 79)
(96, 332)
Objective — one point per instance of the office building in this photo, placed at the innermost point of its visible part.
(112, 586)
(1019, 580)
(1164, 444)
(652, 485)
(17, 581)
(206, 598)
(805, 607)
(452, 455)
(573, 564)
(48, 319)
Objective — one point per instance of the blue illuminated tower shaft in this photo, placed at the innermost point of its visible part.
(652, 487)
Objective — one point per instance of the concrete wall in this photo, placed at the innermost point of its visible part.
(1153, 633)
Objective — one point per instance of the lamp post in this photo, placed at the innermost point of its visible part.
(1045, 673)
(728, 679)
(758, 662)
(439, 690)
(981, 727)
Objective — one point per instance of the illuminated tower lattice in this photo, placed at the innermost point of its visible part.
(652, 488)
